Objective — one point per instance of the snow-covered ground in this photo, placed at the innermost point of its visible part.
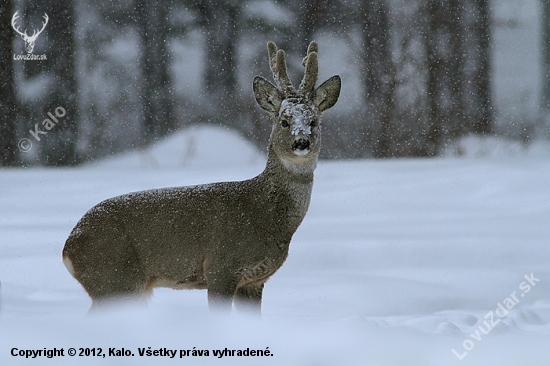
(398, 262)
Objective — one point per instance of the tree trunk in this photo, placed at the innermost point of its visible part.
(436, 76)
(155, 61)
(445, 76)
(59, 145)
(458, 125)
(314, 16)
(8, 102)
(378, 74)
(482, 81)
(545, 50)
(220, 20)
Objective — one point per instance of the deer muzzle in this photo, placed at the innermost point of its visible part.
(300, 146)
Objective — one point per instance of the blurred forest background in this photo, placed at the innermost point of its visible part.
(417, 74)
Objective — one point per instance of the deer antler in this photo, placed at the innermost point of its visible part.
(312, 69)
(277, 64)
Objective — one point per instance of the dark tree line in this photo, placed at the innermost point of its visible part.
(545, 22)
(442, 41)
(46, 85)
(62, 90)
(8, 101)
(424, 66)
(447, 79)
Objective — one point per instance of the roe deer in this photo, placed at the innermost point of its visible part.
(228, 237)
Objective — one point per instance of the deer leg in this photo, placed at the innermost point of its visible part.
(221, 290)
(248, 298)
(107, 274)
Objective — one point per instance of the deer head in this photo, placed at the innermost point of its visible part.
(295, 113)
(29, 40)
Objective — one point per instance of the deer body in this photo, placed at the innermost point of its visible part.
(227, 237)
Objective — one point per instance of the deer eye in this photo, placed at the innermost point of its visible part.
(284, 123)
(313, 123)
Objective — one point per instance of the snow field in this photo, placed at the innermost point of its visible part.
(398, 262)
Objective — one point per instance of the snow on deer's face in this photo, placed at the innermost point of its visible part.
(295, 112)
(297, 130)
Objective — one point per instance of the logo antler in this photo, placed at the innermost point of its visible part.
(29, 40)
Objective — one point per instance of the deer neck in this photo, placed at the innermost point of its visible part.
(286, 171)
(295, 181)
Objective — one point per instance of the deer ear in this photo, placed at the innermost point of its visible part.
(326, 95)
(267, 95)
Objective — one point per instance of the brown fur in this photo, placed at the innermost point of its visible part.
(227, 237)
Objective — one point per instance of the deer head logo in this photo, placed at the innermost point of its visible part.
(29, 40)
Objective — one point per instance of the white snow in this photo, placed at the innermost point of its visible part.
(398, 262)
(299, 116)
(194, 147)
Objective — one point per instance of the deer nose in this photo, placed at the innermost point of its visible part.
(301, 144)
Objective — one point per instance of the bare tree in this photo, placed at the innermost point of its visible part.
(59, 146)
(457, 79)
(415, 57)
(482, 80)
(155, 61)
(436, 75)
(445, 53)
(545, 52)
(315, 16)
(378, 73)
(8, 102)
(219, 20)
